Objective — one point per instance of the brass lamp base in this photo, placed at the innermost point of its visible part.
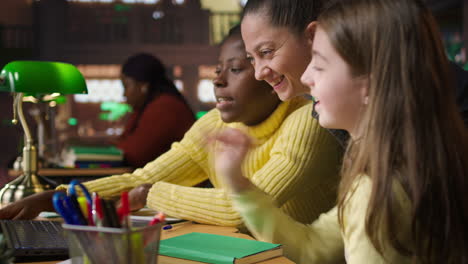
(23, 186)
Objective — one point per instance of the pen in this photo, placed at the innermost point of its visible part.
(75, 210)
(124, 210)
(81, 208)
(111, 218)
(96, 210)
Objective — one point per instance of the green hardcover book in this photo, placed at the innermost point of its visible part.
(97, 153)
(107, 150)
(216, 249)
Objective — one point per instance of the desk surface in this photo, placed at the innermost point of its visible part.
(187, 227)
(52, 172)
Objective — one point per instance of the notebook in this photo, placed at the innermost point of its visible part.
(35, 240)
(196, 247)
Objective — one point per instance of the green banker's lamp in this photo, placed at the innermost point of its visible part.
(34, 78)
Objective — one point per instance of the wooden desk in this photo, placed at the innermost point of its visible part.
(187, 227)
(65, 175)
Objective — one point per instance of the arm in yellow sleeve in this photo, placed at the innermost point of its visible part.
(320, 242)
(286, 171)
(183, 164)
(203, 205)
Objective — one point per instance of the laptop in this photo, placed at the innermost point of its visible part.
(35, 240)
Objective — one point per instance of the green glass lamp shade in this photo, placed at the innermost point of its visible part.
(40, 77)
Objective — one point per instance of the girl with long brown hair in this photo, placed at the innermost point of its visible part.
(378, 71)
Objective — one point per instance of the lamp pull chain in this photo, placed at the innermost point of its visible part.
(14, 121)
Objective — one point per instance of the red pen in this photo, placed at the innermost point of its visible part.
(96, 210)
(90, 214)
(124, 210)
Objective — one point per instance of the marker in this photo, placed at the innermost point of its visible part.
(158, 218)
(83, 205)
(124, 210)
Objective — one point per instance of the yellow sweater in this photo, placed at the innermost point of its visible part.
(323, 241)
(294, 160)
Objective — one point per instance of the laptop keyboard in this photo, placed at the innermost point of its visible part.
(34, 234)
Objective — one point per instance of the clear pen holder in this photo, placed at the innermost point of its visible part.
(97, 245)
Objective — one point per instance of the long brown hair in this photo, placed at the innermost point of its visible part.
(412, 133)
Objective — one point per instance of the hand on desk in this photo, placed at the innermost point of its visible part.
(29, 207)
(137, 197)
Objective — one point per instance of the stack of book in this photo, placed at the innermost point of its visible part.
(92, 157)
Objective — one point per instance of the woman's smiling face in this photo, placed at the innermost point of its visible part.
(241, 98)
(278, 55)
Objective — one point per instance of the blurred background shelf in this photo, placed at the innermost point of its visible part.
(64, 176)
